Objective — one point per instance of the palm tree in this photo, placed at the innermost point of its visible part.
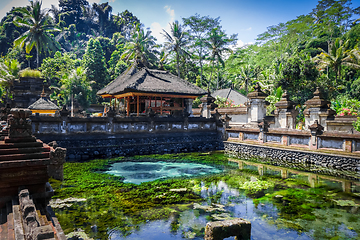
(140, 47)
(103, 10)
(247, 74)
(218, 43)
(338, 55)
(9, 71)
(38, 23)
(176, 41)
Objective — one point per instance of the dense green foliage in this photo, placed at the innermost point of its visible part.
(317, 49)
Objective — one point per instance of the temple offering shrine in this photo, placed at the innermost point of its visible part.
(142, 90)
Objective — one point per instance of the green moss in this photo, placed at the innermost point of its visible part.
(112, 204)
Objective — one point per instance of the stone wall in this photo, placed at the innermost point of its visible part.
(89, 138)
(334, 140)
(90, 146)
(291, 158)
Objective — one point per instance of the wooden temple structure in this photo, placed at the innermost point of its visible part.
(142, 90)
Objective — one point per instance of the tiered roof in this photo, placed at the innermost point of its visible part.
(147, 80)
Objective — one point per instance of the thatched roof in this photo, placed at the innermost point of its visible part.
(150, 81)
(43, 103)
(230, 93)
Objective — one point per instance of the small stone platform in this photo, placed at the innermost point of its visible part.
(219, 230)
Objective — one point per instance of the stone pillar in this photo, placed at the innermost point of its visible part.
(263, 126)
(316, 129)
(207, 105)
(348, 145)
(285, 140)
(64, 113)
(188, 106)
(318, 109)
(57, 160)
(257, 105)
(285, 113)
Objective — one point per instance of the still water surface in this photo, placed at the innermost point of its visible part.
(331, 212)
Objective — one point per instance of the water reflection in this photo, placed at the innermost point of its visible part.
(313, 180)
(138, 172)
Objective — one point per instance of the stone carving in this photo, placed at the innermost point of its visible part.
(30, 220)
(219, 230)
(19, 123)
(57, 160)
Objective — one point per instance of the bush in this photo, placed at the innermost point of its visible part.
(30, 73)
(224, 103)
(357, 124)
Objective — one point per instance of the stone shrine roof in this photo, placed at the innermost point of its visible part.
(43, 103)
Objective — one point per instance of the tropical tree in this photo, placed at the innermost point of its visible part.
(338, 55)
(218, 43)
(9, 71)
(199, 28)
(104, 11)
(176, 41)
(75, 86)
(246, 76)
(95, 66)
(140, 47)
(38, 22)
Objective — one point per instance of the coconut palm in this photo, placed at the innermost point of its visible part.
(338, 55)
(176, 41)
(218, 43)
(246, 75)
(140, 47)
(38, 23)
(103, 10)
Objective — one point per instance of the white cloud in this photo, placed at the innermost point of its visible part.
(170, 11)
(157, 28)
(248, 29)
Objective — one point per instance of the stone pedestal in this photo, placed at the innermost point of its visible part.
(318, 109)
(285, 113)
(316, 129)
(257, 105)
(188, 106)
(208, 105)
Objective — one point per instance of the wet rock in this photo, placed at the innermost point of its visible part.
(179, 190)
(222, 216)
(208, 208)
(68, 202)
(79, 234)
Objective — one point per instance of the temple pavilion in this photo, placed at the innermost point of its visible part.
(43, 106)
(142, 89)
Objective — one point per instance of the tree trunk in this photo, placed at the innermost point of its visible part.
(37, 56)
(212, 69)
(178, 64)
(217, 81)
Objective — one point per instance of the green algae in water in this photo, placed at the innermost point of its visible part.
(138, 172)
(118, 210)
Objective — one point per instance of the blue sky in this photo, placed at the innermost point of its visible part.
(245, 17)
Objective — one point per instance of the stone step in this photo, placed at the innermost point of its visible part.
(10, 222)
(19, 139)
(20, 145)
(3, 224)
(25, 156)
(24, 163)
(24, 150)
